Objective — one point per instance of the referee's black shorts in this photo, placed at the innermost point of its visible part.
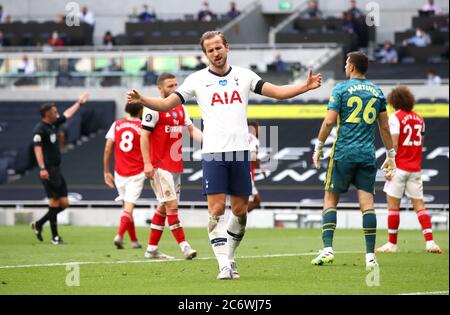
(55, 186)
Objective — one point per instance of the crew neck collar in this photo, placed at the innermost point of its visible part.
(220, 75)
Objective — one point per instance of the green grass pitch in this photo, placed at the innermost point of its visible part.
(271, 261)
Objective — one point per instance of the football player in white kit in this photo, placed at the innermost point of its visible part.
(222, 92)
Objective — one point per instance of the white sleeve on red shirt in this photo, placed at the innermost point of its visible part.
(394, 125)
(186, 90)
(110, 134)
(187, 119)
(423, 127)
(149, 119)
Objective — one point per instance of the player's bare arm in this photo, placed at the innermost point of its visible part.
(195, 133)
(327, 125)
(287, 91)
(388, 166)
(155, 103)
(108, 177)
(149, 171)
(82, 99)
(395, 142)
(43, 173)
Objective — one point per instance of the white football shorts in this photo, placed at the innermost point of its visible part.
(129, 187)
(403, 181)
(166, 185)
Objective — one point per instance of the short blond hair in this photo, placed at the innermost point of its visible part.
(211, 34)
(163, 77)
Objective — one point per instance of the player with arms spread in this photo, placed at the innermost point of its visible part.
(407, 129)
(124, 138)
(355, 105)
(161, 144)
(222, 92)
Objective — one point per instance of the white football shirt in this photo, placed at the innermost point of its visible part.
(223, 101)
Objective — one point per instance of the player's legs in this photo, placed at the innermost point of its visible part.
(39, 224)
(174, 221)
(393, 224)
(215, 185)
(338, 179)
(414, 190)
(128, 209)
(425, 223)
(177, 229)
(56, 190)
(165, 185)
(129, 189)
(364, 180)
(394, 190)
(217, 233)
(369, 219)
(53, 208)
(236, 228)
(125, 217)
(133, 191)
(56, 205)
(254, 202)
(240, 187)
(63, 204)
(156, 231)
(329, 220)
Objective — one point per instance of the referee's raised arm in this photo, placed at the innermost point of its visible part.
(73, 109)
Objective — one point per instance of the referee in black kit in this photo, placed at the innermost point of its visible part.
(48, 157)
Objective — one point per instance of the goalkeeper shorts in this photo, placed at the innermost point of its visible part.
(341, 174)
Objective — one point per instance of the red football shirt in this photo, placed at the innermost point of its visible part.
(126, 134)
(166, 137)
(410, 128)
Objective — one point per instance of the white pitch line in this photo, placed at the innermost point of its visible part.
(425, 293)
(162, 261)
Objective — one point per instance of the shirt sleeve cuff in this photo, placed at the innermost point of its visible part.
(180, 96)
(258, 87)
(148, 128)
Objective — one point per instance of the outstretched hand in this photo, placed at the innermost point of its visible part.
(313, 81)
(133, 97)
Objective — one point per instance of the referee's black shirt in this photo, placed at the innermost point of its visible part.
(45, 135)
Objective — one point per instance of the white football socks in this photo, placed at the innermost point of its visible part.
(218, 237)
(235, 231)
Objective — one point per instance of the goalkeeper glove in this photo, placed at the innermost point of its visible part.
(389, 166)
(317, 155)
